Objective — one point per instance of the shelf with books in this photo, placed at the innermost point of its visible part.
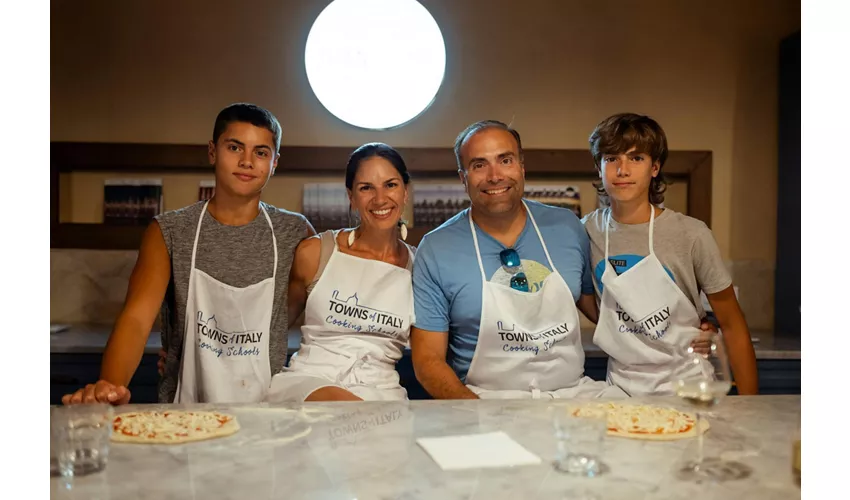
(561, 165)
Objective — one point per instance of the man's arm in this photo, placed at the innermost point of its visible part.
(587, 305)
(126, 344)
(736, 334)
(428, 350)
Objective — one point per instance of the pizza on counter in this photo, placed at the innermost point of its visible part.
(171, 427)
(646, 421)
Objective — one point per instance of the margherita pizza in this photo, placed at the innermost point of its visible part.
(647, 422)
(171, 427)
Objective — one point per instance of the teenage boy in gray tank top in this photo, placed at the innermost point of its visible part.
(234, 247)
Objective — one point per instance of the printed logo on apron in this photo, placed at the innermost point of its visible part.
(350, 314)
(211, 338)
(519, 341)
(653, 326)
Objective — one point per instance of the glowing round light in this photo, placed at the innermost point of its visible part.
(375, 64)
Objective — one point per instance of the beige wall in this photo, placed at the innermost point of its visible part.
(159, 71)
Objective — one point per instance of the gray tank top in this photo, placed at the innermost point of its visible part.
(239, 256)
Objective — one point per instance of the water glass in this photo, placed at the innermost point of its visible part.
(79, 438)
(580, 434)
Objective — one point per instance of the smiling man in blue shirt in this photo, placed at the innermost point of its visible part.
(497, 288)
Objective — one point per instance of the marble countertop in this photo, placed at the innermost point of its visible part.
(368, 451)
(91, 339)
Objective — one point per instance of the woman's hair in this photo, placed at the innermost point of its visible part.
(370, 150)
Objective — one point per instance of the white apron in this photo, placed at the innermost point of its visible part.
(645, 325)
(357, 322)
(529, 343)
(226, 342)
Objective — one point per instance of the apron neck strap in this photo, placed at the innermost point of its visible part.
(651, 228)
(536, 229)
(274, 239)
(475, 242)
(198, 232)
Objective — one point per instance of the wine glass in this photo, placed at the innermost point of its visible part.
(704, 382)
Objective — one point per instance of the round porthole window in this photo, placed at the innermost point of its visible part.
(375, 64)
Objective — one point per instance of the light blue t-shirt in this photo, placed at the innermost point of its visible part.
(447, 279)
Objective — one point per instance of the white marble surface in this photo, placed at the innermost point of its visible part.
(368, 451)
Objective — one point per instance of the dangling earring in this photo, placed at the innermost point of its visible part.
(403, 231)
(351, 238)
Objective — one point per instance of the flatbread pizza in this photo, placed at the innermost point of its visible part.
(171, 427)
(648, 422)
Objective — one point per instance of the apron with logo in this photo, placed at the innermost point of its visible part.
(357, 322)
(226, 342)
(646, 323)
(529, 343)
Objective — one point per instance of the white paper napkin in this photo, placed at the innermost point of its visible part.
(493, 449)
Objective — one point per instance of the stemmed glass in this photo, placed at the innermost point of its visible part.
(703, 384)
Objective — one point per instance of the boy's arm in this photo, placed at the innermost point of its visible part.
(126, 344)
(587, 305)
(715, 281)
(736, 335)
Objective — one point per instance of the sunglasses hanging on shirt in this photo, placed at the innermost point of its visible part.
(512, 263)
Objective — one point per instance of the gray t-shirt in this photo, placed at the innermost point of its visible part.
(684, 245)
(239, 256)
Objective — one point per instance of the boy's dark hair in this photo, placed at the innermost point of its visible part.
(483, 125)
(247, 113)
(619, 133)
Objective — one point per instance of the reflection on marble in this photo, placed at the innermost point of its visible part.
(88, 286)
(368, 450)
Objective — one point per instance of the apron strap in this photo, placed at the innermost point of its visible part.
(543, 243)
(477, 250)
(651, 227)
(197, 233)
(268, 219)
(274, 239)
(536, 229)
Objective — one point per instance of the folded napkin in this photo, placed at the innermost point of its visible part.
(493, 449)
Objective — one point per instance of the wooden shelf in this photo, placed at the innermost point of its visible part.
(109, 237)
(429, 162)
(96, 236)
(693, 167)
